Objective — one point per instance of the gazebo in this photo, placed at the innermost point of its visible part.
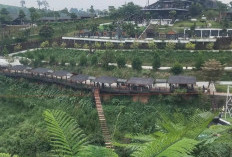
(136, 83)
(104, 81)
(79, 78)
(182, 82)
(62, 75)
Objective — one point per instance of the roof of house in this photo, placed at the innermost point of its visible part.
(61, 73)
(140, 81)
(42, 70)
(20, 68)
(79, 78)
(161, 81)
(182, 80)
(106, 79)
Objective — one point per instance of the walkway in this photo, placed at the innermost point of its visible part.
(102, 119)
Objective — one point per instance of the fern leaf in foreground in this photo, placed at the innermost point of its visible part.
(7, 155)
(181, 148)
(65, 135)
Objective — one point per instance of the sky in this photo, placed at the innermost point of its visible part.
(85, 4)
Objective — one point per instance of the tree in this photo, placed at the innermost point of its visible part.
(121, 62)
(195, 9)
(83, 60)
(94, 60)
(109, 45)
(44, 44)
(135, 45)
(177, 68)
(156, 61)
(40, 3)
(46, 32)
(172, 14)
(137, 63)
(5, 51)
(199, 61)
(67, 139)
(33, 14)
(91, 10)
(73, 16)
(4, 16)
(121, 46)
(212, 70)
(107, 57)
(22, 16)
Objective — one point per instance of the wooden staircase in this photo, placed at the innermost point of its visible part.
(102, 120)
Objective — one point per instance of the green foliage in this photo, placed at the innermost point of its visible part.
(97, 45)
(94, 60)
(156, 61)
(63, 45)
(7, 155)
(170, 46)
(93, 151)
(135, 45)
(107, 57)
(76, 45)
(5, 51)
(72, 63)
(44, 44)
(109, 45)
(54, 44)
(121, 46)
(46, 32)
(24, 61)
(137, 63)
(190, 46)
(86, 46)
(65, 135)
(210, 46)
(52, 60)
(83, 60)
(17, 47)
(121, 62)
(177, 68)
(199, 61)
(152, 45)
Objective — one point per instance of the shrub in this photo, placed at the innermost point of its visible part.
(170, 46)
(86, 46)
(55, 44)
(94, 60)
(5, 51)
(121, 62)
(36, 63)
(44, 44)
(76, 45)
(83, 60)
(152, 45)
(41, 57)
(109, 45)
(137, 64)
(17, 47)
(177, 68)
(121, 46)
(97, 45)
(24, 61)
(72, 63)
(63, 45)
(210, 46)
(156, 62)
(135, 45)
(52, 60)
(63, 61)
(190, 46)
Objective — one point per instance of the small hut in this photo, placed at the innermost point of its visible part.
(19, 69)
(182, 82)
(79, 78)
(41, 72)
(105, 81)
(136, 83)
(62, 75)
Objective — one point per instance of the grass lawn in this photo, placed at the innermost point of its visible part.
(198, 24)
(221, 88)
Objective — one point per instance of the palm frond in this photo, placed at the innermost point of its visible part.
(65, 135)
(7, 155)
(95, 151)
(182, 148)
